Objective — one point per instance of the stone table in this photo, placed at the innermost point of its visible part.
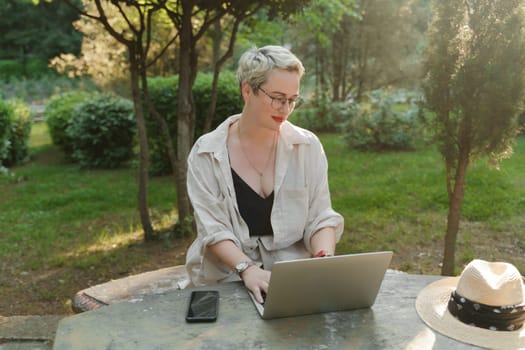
(158, 322)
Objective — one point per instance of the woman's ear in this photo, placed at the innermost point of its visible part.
(246, 91)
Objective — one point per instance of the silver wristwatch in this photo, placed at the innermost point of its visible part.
(242, 266)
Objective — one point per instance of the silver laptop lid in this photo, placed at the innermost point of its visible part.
(341, 282)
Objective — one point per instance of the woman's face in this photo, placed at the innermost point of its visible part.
(273, 102)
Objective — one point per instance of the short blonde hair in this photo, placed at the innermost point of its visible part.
(256, 63)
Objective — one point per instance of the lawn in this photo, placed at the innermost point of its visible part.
(63, 228)
(51, 211)
(398, 201)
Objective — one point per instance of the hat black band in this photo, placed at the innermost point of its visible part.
(498, 318)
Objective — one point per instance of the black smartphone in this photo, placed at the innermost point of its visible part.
(204, 306)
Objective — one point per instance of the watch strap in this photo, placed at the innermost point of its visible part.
(243, 266)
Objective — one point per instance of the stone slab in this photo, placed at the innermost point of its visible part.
(28, 328)
(19, 345)
(158, 322)
(130, 289)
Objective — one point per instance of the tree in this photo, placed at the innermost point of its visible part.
(133, 30)
(474, 84)
(318, 27)
(104, 59)
(192, 19)
(37, 30)
(359, 45)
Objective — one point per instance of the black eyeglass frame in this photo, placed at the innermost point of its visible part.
(292, 102)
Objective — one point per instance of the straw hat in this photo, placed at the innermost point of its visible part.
(484, 306)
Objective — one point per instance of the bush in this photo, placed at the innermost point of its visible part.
(58, 113)
(15, 126)
(37, 68)
(163, 93)
(102, 132)
(20, 130)
(323, 115)
(10, 69)
(5, 123)
(229, 99)
(521, 123)
(385, 122)
(32, 68)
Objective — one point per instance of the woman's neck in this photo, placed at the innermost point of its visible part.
(255, 134)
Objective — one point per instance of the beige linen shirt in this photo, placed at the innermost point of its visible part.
(301, 205)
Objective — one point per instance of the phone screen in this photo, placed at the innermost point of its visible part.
(203, 306)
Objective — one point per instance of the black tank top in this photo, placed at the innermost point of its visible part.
(254, 209)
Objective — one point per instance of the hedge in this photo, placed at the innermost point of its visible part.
(163, 92)
(15, 126)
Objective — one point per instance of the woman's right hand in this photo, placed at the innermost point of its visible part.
(257, 281)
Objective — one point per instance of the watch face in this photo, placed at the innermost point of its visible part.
(241, 266)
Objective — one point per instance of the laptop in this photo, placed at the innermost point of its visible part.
(316, 285)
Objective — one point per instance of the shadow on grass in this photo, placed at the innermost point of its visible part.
(48, 290)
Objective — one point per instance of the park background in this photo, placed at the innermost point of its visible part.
(69, 216)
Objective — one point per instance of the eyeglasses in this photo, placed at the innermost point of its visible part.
(280, 102)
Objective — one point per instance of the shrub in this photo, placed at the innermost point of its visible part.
(5, 118)
(32, 68)
(385, 122)
(521, 123)
(102, 132)
(15, 126)
(20, 130)
(229, 100)
(10, 69)
(163, 93)
(38, 67)
(323, 115)
(58, 113)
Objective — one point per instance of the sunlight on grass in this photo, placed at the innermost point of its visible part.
(54, 214)
(52, 211)
(108, 239)
(87, 255)
(398, 201)
(39, 135)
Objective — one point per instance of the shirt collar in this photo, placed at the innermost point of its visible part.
(215, 142)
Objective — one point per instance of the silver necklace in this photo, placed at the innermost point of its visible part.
(260, 173)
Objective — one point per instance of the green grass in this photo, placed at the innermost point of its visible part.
(40, 138)
(54, 214)
(398, 201)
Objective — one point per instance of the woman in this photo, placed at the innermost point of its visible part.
(258, 184)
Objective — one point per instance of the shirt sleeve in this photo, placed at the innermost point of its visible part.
(320, 213)
(206, 191)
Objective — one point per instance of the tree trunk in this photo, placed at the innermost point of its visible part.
(213, 101)
(337, 66)
(456, 194)
(149, 233)
(186, 113)
(218, 62)
(216, 34)
(321, 54)
(164, 128)
(362, 55)
(217, 40)
(341, 43)
(317, 84)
